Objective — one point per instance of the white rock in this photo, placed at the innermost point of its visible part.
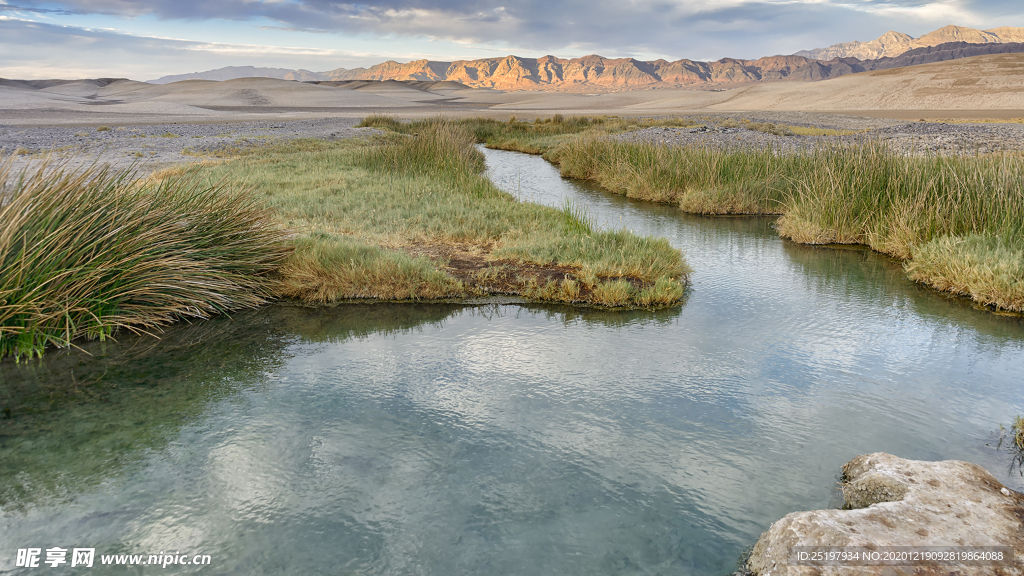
(897, 502)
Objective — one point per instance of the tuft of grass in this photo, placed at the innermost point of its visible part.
(989, 270)
(769, 128)
(382, 122)
(701, 180)
(324, 268)
(84, 253)
(613, 292)
(577, 220)
(103, 129)
(1017, 429)
(19, 151)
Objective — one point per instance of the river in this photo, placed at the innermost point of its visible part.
(504, 439)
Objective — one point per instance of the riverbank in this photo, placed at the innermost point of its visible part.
(320, 221)
(955, 220)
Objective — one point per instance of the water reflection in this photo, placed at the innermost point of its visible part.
(438, 439)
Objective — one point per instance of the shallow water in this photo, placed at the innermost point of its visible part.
(439, 439)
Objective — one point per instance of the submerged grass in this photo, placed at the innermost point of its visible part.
(85, 253)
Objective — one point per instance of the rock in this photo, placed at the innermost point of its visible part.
(903, 503)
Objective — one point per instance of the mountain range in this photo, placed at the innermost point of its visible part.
(891, 50)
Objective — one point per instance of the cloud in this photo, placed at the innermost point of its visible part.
(691, 28)
(42, 50)
(29, 10)
(33, 46)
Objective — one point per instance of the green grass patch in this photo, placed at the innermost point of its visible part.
(425, 188)
(85, 253)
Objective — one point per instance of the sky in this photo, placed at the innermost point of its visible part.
(147, 39)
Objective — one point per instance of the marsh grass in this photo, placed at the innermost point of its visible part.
(424, 187)
(325, 268)
(83, 253)
(702, 180)
(958, 221)
(537, 137)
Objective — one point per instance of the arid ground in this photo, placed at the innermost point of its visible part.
(157, 125)
(990, 86)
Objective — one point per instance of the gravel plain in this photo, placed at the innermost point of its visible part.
(911, 138)
(150, 148)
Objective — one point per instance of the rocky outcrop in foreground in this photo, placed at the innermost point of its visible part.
(896, 504)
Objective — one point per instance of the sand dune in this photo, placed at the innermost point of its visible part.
(991, 82)
(991, 85)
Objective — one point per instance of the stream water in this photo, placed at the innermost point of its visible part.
(446, 440)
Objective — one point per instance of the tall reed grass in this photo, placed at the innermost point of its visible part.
(534, 137)
(84, 253)
(958, 221)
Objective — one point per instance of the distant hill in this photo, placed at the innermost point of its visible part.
(892, 44)
(597, 73)
(230, 73)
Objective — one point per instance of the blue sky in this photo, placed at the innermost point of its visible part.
(146, 39)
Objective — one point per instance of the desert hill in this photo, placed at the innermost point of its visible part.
(990, 85)
(892, 44)
(989, 82)
(596, 73)
(599, 74)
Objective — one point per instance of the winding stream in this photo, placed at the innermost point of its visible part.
(444, 440)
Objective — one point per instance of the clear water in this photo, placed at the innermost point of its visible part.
(445, 440)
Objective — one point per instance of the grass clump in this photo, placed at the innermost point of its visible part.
(421, 193)
(103, 129)
(85, 253)
(987, 269)
(324, 267)
(701, 180)
(769, 128)
(1017, 429)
